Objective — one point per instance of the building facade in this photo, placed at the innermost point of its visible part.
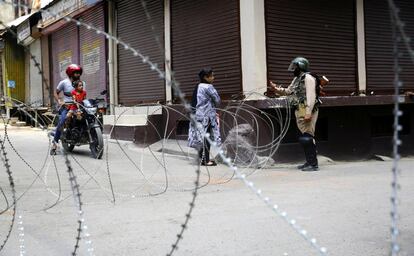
(68, 43)
(251, 42)
(247, 43)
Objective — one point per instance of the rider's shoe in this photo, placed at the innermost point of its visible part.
(53, 149)
(51, 133)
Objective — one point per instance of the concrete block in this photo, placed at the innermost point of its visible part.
(125, 120)
(139, 110)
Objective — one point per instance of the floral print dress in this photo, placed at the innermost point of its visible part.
(205, 114)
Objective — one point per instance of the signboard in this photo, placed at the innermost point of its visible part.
(91, 57)
(60, 9)
(65, 59)
(63, 8)
(11, 84)
(23, 31)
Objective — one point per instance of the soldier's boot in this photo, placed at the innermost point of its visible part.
(309, 147)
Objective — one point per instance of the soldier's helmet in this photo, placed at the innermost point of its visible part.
(300, 62)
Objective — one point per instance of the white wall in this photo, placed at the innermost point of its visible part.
(253, 47)
(362, 75)
(167, 43)
(35, 85)
(112, 58)
(6, 12)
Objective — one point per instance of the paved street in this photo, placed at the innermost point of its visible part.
(345, 206)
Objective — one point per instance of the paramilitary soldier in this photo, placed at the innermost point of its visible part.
(302, 94)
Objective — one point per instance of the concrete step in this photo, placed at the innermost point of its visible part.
(13, 120)
(19, 124)
(139, 110)
(125, 120)
(132, 116)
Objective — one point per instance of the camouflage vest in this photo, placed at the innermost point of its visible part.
(299, 91)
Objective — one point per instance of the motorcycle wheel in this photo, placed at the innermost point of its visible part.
(67, 147)
(97, 146)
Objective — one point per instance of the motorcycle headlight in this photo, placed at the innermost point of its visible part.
(87, 103)
(90, 111)
(101, 105)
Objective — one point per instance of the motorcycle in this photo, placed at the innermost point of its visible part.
(85, 128)
(101, 105)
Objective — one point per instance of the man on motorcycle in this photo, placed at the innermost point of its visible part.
(73, 72)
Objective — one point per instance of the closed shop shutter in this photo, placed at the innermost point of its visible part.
(65, 50)
(137, 83)
(14, 72)
(379, 46)
(93, 51)
(323, 31)
(206, 34)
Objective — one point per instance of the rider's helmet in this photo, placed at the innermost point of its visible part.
(300, 62)
(72, 68)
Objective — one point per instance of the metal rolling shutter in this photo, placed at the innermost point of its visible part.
(14, 69)
(93, 51)
(323, 31)
(379, 46)
(65, 50)
(206, 34)
(137, 82)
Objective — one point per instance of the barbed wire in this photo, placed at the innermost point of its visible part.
(187, 108)
(74, 186)
(59, 185)
(21, 107)
(78, 202)
(397, 142)
(37, 173)
(6, 200)
(184, 226)
(396, 24)
(6, 164)
(162, 138)
(176, 86)
(20, 227)
(72, 177)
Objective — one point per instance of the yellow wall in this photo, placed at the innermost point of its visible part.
(14, 58)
